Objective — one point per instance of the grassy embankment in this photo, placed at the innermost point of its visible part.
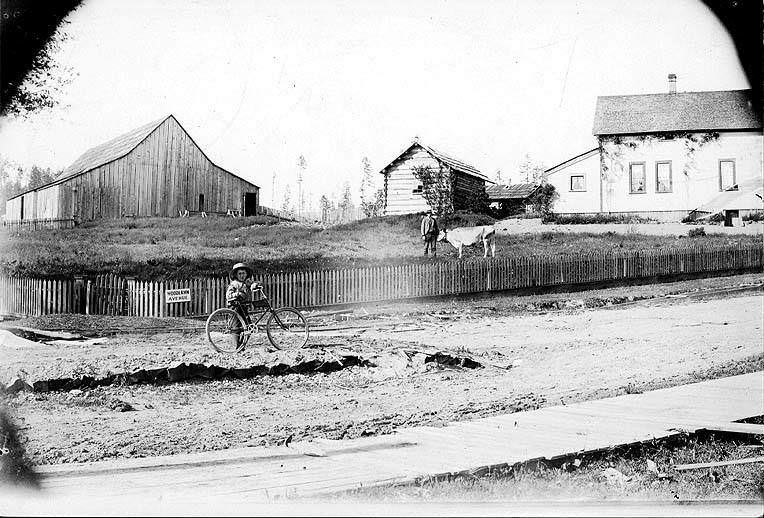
(163, 248)
(582, 479)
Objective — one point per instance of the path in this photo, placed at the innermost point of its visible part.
(262, 474)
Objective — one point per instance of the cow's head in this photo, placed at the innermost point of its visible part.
(443, 235)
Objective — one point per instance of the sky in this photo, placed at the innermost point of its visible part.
(259, 83)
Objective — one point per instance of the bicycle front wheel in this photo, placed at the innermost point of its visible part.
(226, 331)
(287, 329)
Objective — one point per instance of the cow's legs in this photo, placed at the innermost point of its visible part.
(460, 250)
(493, 247)
(485, 248)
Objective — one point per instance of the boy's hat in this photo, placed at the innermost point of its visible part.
(240, 266)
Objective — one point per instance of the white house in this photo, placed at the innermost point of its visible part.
(664, 155)
(577, 182)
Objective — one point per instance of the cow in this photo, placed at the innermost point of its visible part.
(461, 236)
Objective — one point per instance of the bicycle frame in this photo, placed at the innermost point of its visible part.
(248, 309)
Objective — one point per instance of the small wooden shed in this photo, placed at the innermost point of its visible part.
(154, 170)
(511, 199)
(403, 191)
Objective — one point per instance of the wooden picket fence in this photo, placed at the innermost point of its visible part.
(114, 295)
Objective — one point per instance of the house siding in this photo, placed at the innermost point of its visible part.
(694, 181)
(400, 182)
(577, 202)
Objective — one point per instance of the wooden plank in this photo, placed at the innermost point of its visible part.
(704, 465)
(743, 428)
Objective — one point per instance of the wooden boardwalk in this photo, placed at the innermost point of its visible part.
(305, 469)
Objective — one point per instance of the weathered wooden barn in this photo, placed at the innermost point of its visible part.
(154, 170)
(404, 192)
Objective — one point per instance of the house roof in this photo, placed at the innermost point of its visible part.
(571, 161)
(114, 149)
(682, 111)
(516, 191)
(111, 150)
(441, 157)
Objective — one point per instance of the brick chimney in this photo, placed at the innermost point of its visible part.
(672, 83)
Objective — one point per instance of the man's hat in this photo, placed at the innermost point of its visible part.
(237, 267)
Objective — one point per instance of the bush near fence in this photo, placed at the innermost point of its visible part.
(114, 295)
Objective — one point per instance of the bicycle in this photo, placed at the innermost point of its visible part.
(228, 332)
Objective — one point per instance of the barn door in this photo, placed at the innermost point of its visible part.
(250, 204)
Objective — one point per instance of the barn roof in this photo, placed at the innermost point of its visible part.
(518, 191)
(114, 149)
(682, 111)
(111, 150)
(443, 158)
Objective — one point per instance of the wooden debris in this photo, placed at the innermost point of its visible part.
(703, 465)
(60, 335)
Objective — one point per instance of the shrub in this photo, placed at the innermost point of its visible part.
(754, 216)
(696, 232)
(586, 219)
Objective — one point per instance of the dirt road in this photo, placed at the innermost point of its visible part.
(567, 356)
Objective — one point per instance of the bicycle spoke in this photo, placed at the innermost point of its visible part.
(225, 331)
(287, 329)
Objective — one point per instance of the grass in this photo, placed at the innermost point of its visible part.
(581, 478)
(173, 248)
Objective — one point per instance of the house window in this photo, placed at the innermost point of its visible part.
(663, 182)
(577, 183)
(418, 189)
(726, 174)
(637, 177)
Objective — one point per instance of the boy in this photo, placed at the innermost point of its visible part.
(239, 291)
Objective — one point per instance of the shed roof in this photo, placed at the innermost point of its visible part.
(518, 191)
(571, 161)
(682, 111)
(443, 158)
(747, 196)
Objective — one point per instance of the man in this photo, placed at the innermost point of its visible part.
(429, 230)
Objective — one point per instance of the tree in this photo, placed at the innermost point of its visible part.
(32, 79)
(11, 175)
(286, 203)
(531, 171)
(325, 206)
(302, 164)
(39, 177)
(436, 188)
(543, 199)
(372, 200)
(346, 205)
(498, 178)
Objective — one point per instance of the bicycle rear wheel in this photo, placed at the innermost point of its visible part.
(226, 331)
(287, 329)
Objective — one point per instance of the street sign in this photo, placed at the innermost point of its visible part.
(178, 295)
